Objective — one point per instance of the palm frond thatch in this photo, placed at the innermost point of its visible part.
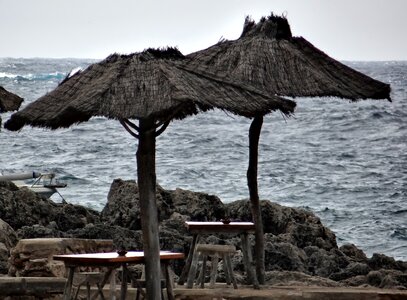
(140, 85)
(270, 58)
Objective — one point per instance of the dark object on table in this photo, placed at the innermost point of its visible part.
(225, 221)
(121, 252)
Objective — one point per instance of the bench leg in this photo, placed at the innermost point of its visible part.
(228, 263)
(226, 270)
(214, 270)
(201, 278)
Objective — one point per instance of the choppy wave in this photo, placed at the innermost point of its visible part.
(39, 77)
(347, 162)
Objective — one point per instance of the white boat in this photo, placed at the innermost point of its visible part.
(43, 184)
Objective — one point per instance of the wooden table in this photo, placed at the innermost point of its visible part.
(112, 261)
(241, 228)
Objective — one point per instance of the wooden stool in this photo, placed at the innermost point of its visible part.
(214, 252)
(88, 279)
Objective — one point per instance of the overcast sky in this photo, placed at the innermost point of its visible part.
(344, 29)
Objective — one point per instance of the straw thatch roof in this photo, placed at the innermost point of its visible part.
(140, 85)
(9, 101)
(269, 57)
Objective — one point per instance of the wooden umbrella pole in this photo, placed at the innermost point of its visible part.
(254, 136)
(148, 207)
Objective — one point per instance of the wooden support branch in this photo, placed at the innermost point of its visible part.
(128, 129)
(162, 129)
(131, 124)
(254, 136)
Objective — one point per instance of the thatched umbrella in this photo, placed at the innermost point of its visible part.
(154, 88)
(267, 56)
(8, 101)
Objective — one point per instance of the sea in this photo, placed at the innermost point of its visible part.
(346, 162)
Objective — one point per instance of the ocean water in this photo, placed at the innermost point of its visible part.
(344, 161)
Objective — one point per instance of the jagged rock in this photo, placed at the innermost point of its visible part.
(290, 278)
(22, 207)
(39, 231)
(284, 256)
(8, 236)
(198, 206)
(352, 270)
(353, 252)
(123, 208)
(295, 226)
(323, 263)
(69, 216)
(123, 238)
(381, 261)
(8, 239)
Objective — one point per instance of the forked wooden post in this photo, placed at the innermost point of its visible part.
(254, 136)
(148, 206)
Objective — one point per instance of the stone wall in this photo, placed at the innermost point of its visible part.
(33, 257)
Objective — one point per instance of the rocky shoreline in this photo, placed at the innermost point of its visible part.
(299, 249)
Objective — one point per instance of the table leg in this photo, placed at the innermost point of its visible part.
(168, 279)
(187, 266)
(106, 277)
(248, 261)
(68, 285)
(113, 285)
(192, 270)
(123, 289)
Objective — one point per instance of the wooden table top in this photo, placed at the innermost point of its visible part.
(220, 227)
(112, 258)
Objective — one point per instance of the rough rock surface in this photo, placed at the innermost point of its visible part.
(298, 247)
(33, 257)
(22, 207)
(8, 239)
(123, 208)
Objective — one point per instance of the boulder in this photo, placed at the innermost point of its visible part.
(353, 252)
(381, 261)
(123, 208)
(197, 206)
(8, 239)
(285, 256)
(292, 225)
(21, 207)
(122, 238)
